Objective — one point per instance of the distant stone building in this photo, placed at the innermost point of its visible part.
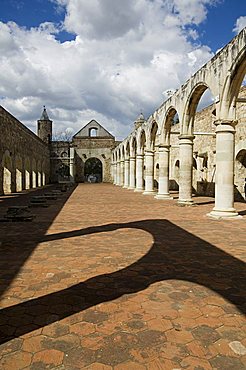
(30, 161)
(92, 149)
(86, 158)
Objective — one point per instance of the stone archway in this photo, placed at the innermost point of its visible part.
(93, 170)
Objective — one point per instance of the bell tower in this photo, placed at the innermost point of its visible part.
(45, 127)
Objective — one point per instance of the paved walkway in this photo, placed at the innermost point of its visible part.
(105, 278)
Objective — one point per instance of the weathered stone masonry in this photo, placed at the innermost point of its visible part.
(25, 158)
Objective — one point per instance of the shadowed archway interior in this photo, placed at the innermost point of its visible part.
(93, 168)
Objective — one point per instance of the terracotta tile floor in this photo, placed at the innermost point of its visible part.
(105, 278)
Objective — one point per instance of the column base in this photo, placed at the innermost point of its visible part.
(125, 187)
(149, 192)
(163, 196)
(131, 188)
(139, 190)
(223, 213)
(185, 202)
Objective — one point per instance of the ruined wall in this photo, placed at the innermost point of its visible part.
(25, 161)
(59, 161)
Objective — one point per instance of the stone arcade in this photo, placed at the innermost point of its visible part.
(144, 154)
(202, 152)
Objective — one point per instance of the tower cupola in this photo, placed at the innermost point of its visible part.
(139, 121)
(45, 127)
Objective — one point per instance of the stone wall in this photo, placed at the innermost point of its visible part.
(25, 159)
(59, 161)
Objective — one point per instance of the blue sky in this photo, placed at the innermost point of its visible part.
(215, 31)
(105, 59)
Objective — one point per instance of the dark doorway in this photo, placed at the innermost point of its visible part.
(93, 170)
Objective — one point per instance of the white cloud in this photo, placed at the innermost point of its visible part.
(240, 24)
(123, 56)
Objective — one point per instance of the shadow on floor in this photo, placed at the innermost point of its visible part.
(23, 239)
(175, 254)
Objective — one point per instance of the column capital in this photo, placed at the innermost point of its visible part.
(149, 152)
(163, 147)
(140, 155)
(132, 158)
(126, 160)
(225, 125)
(186, 137)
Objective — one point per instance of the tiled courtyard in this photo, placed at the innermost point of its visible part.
(106, 278)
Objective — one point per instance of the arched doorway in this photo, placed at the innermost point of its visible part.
(93, 170)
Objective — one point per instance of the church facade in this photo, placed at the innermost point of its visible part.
(86, 158)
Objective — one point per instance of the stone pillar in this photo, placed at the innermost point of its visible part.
(163, 189)
(114, 173)
(149, 173)
(224, 182)
(71, 165)
(185, 173)
(132, 179)
(139, 173)
(121, 172)
(118, 173)
(126, 174)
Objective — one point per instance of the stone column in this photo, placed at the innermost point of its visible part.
(121, 172)
(114, 173)
(126, 174)
(71, 165)
(132, 179)
(163, 189)
(139, 173)
(185, 173)
(118, 173)
(149, 173)
(224, 182)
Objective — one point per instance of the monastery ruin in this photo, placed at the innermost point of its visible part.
(202, 153)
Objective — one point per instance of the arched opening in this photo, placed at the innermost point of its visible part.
(174, 182)
(141, 149)
(169, 136)
(7, 173)
(39, 177)
(34, 174)
(200, 114)
(200, 107)
(93, 132)
(153, 132)
(64, 154)
(27, 174)
(156, 176)
(18, 174)
(93, 170)
(234, 84)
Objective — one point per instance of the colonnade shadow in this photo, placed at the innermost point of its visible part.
(18, 240)
(175, 254)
